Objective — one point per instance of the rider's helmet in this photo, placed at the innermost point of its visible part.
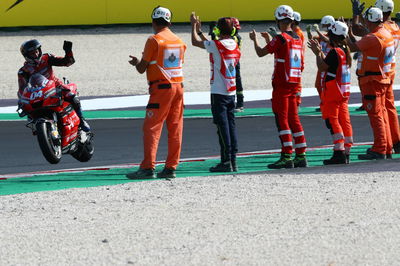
(28, 47)
(38, 80)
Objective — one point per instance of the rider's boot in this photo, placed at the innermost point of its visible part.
(76, 104)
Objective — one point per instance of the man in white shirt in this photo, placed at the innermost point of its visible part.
(225, 55)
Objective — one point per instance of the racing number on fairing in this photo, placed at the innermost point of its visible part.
(36, 94)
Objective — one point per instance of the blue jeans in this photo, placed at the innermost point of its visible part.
(222, 108)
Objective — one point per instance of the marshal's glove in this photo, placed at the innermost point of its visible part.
(358, 7)
(398, 16)
(315, 27)
(272, 31)
(67, 47)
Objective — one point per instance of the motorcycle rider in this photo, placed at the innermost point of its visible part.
(36, 62)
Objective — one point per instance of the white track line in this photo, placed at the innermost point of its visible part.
(191, 98)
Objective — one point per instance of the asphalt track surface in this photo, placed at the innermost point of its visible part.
(120, 141)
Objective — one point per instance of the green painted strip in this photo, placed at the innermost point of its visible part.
(188, 113)
(256, 163)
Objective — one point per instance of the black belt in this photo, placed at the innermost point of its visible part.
(162, 85)
(157, 81)
(373, 74)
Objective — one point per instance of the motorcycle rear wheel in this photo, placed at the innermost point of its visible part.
(51, 150)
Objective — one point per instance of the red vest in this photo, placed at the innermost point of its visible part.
(342, 75)
(229, 60)
(292, 57)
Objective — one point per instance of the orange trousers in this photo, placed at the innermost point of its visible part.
(318, 83)
(392, 113)
(165, 104)
(374, 101)
(335, 112)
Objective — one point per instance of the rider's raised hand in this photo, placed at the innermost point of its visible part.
(67, 47)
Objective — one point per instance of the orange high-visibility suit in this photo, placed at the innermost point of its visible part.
(335, 98)
(394, 29)
(377, 49)
(165, 52)
(300, 33)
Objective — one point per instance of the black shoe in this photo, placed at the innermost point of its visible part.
(347, 158)
(234, 166)
(142, 174)
(338, 157)
(389, 156)
(361, 108)
(396, 147)
(84, 125)
(166, 173)
(222, 167)
(371, 155)
(300, 160)
(284, 162)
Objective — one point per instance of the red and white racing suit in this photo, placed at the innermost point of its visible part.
(44, 67)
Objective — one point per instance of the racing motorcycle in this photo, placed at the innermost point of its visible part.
(54, 121)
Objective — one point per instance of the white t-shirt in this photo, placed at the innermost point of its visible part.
(218, 85)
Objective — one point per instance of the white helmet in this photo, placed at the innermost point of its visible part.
(327, 20)
(161, 12)
(297, 16)
(373, 14)
(340, 28)
(283, 12)
(385, 5)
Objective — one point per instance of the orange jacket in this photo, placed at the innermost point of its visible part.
(394, 29)
(377, 51)
(165, 53)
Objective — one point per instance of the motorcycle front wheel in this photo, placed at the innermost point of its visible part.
(50, 148)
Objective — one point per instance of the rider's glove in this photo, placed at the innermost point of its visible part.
(67, 46)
